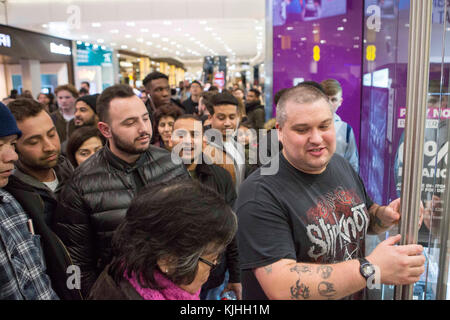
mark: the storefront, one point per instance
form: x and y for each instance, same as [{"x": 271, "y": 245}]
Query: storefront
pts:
[
  {"x": 133, "y": 68},
  {"x": 95, "y": 64},
  {"x": 33, "y": 61}
]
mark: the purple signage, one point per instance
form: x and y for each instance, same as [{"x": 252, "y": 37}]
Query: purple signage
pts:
[{"x": 319, "y": 40}]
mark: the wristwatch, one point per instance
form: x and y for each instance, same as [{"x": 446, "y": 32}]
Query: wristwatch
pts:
[{"x": 366, "y": 268}]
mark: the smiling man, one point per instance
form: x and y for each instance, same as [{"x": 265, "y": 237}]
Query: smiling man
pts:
[
  {"x": 95, "y": 200},
  {"x": 301, "y": 231}
]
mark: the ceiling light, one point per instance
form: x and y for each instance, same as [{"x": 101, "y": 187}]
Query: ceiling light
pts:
[
  {"x": 79, "y": 42},
  {"x": 114, "y": 31},
  {"x": 167, "y": 22},
  {"x": 96, "y": 24},
  {"x": 134, "y": 49},
  {"x": 158, "y": 46},
  {"x": 156, "y": 35},
  {"x": 85, "y": 36},
  {"x": 140, "y": 40},
  {"x": 131, "y": 24},
  {"x": 340, "y": 28},
  {"x": 128, "y": 36},
  {"x": 165, "y": 39},
  {"x": 112, "y": 44},
  {"x": 208, "y": 29},
  {"x": 149, "y": 43},
  {"x": 45, "y": 26},
  {"x": 203, "y": 22},
  {"x": 87, "y": 44},
  {"x": 100, "y": 41},
  {"x": 144, "y": 30},
  {"x": 124, "y": 47}
]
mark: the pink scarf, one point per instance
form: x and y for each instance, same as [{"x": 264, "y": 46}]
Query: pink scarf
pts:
[{"x": 170, "y": 292}]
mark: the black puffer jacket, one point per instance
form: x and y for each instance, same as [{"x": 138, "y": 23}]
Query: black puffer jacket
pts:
[{"x": 94, "y": 202}]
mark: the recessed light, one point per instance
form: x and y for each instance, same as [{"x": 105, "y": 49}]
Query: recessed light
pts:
[
  {"x": 167, "y": 22},
  {"x": 140, "y": 40},
  {"x": 128, "y": 36},
  {"x": 148, "y": 43},
  {"x": 124, "y": 46},
  {"x": 131, "y": 24},
  {"x": 203, "y": 22},
  {"x": 144, "y": 30},
  {"x": 114, "y": 31},
  {"x": 100, "y": 41},
  {"x": 134, "y": 49},
  {"x": 45, "y": 26},
  {"x": 84, "y": 36},
  {"x": 156, "y": 35},
  {"x": 165, "y": 39},
  {"x": 96, "y": 24},
  {"x": 112, "y": 44}
]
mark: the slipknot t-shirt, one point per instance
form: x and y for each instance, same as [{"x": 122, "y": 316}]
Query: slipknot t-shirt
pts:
[{"x": 293, "y": 215}]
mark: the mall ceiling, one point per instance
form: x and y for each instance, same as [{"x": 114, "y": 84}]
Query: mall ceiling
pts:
[{"x": 183, "y": 29}]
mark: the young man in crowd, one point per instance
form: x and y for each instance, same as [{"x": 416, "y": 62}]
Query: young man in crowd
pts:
[
  {"x": 222, "y": 146},
  {"x": 188, "y": 144},
  {"x": 294, "y": 236},
  {"x": 255, "y": 111},
  {"x": 22, "y": 270},
  {"x": 95, "y": 200},
  {"x": 191, "y": 104},
  {"x": 86, "y": 111},
  {"x": 66, "y": 95},
  {"x": 345, "y": 138},
  {"x": 40, "y": 167}
]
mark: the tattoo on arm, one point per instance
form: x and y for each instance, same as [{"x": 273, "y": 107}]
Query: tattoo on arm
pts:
[
  {"x": 325, "y": 271},
  {"x": 300, "y": 269},
  {"x": 300, "y": 290},
  {"x": 326, "y": 289},
  {"x": 268, "y": 269}
]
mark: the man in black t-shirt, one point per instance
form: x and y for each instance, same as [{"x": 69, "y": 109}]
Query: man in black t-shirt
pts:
[{"x": 302, "y": 229}]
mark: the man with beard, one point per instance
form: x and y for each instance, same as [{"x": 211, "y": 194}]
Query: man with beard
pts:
[
  {"x": 95, "y": 200},
  {"x": 41, "y": 168},
  {"x": 255, "y": 111},
  {"x": 86, "y": 111}
]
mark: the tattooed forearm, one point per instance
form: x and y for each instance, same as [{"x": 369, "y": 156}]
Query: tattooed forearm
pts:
[
  {"x": 300, "y": 269},
  {"x": 326, "y": 289},
  {"x": 268, "y": 269},
  {"x": 300, "y": 290},
  {"x": 325, "y": 271}
]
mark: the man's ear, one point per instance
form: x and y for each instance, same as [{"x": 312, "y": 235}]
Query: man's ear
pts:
[
  {"x": 280, "y": 131},
  {"x": 104, "y": 128},
  {"x": 209, "y": 117}
]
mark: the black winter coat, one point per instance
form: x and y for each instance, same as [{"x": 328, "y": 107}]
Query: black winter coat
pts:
[{"x": 94, "y": 202}]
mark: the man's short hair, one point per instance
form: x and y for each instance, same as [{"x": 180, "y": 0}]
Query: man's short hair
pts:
[
  {"x": 110, "y": 93},
  {"x": 154, "y": 76},
  {"x": 311, "y": 83},
  {"x": 67, "y": 87},
  {"x": 279, "y": 94},
  {"x": 24, "y": 108},
  {"x": 256, "y": 92},
  {"x": 300, "y": 94},
  {"x": 331, "y": 87},
  {"x": 197, "y": 82},
  {"x": 207, "y": 99},
  {"x": 213, "y": 88},
  {"x": 221, "y": 99},
  {"x": 188, "y": 116}
]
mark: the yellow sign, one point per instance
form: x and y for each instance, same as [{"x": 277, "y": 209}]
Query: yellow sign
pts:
[
  {"x": 316, "y": 55},
  {"x": 371, "y": 53}
]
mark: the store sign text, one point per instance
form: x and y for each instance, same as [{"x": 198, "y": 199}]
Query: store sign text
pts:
[
  {"x": 5, "y": 40},
  {"x": 60, "y": 49}
]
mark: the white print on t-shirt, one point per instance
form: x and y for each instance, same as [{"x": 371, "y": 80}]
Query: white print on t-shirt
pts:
[{"x": 337, "y": 227}]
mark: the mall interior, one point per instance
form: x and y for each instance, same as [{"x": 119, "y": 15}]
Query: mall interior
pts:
[{"x": 391, "y": 59}]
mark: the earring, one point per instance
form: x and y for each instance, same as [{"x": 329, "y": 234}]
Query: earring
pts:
[{"x": 167, "y": 270}]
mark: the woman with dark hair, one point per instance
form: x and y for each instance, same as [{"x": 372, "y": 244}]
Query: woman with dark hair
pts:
[
  {"x": 83, "y": 143},
  {"x": 169, "y": 242},
  {"x": 47, "y": 100},
  {"x": 165, "y": 117}
]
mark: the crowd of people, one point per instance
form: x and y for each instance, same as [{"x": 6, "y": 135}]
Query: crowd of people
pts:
[{"x": 155, "y": 196}]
